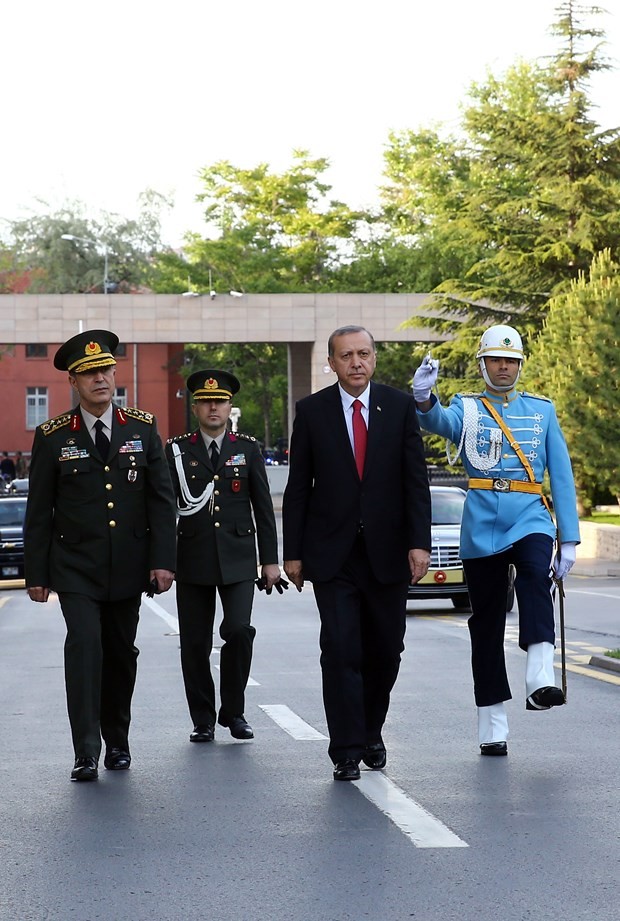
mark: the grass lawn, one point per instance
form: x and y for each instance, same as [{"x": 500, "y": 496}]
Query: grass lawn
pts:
[{"x": 603, "y": 518}]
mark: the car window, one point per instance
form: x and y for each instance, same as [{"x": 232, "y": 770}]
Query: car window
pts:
[
  {"x": 447, "y": 507},
  {"x": 12, "y": 514}
]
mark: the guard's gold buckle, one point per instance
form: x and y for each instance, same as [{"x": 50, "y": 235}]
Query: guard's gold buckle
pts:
[{"x": 501, "y": 485}]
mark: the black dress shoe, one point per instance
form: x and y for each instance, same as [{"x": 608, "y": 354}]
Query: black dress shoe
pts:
[
  {"x": 202, "y": 734},
  {"x": 545, "y": 698},
  {"x": 375, "y": 756},
  {"x": 494, "y": 748},
  {"x": 347, "y": 770},
  {"x": 238, "y": 725},
  {"x": 85, "y": 769},
  {"x": 117, "y": 759}
]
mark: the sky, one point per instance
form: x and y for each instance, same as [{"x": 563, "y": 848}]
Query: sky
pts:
[{"x": 101, "y": 101}]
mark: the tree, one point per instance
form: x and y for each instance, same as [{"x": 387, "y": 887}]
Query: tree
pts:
[
  {"x": 525, "y": 198},
  {"x": 43, "y": 262},
  {"x": 273, "y": 232},
  {"x": 576, "y": 362}
]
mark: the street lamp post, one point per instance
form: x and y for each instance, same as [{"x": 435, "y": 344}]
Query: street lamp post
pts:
[{"x": 106, "y": 281}]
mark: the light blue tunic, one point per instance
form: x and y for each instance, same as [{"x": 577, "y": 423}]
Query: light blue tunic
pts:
[{"x": 493, "y": 521}]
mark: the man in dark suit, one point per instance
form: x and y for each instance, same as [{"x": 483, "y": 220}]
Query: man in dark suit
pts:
[
  {"x": 99, "y": 530},
  {"x": 224, "y": 508},
  {"x": 356, "y": 518}
]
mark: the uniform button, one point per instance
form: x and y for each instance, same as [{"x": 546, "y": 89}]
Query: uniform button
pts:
[
  {"x": 193, "y": 476},
  {"x": 112, "y": 524},
  {"x": 506, "y": 455},
  {"x": 216, "y": 477},
  {"x": 106, "y": 469},
  {"x": 132, "y": 458},
  {"x": 133, "y": 465},
  {"x": 216, "y": 492},
  {"x": 216, "y": 509},
  {"x": 108, "y": 486},
  {"x": 236, "y": 470},
  {"x": 110, "y": 505},
  {"x": 217, "y": 524},
  {"x": 74, "y": 470}
]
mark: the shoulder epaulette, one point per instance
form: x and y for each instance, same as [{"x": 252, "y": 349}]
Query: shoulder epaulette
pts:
[
  {"x": 52, "y": 425},
  {"x": 246, "y": 437},
  {"x": 140, "y": 414},
  {"x": 535, "y": 396},
  {"x": 179, "y": 437}
]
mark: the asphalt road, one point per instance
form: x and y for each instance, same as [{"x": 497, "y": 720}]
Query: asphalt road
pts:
[{"x": 259, "y": 831}]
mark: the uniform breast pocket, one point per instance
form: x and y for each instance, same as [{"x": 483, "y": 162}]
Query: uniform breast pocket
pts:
[
  {"x": 134, "y": 467},
  {"x": 237, "y": 478},
  {"x": 75, "y": 467}
]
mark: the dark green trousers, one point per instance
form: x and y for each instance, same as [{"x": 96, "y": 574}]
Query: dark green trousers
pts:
[
  {"x": 100, "y": 670},
  {"x": 196, "y": 609}
]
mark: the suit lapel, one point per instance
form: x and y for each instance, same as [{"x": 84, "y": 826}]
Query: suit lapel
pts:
[
  {"x": 375, "y": 428},
  {"x": 336, "y": 424}
]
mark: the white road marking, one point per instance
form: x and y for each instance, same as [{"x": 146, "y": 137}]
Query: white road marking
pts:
[
  {"x": 291, "y": 723},
  {"x": 422, "y": 828},
  {"x": 576, "y": 591},
  {"x": 156, "y": 608}
]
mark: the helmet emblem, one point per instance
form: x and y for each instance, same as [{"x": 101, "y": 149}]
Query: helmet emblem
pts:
[{"x": 506, "y": 341}]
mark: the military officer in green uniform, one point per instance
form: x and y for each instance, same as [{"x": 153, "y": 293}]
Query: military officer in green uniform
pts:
[
  {"x": 99, "y": 530},
  {"x": 225, "y": 508}
]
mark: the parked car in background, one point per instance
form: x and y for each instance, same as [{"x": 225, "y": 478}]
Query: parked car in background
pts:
[
  {"x": 12, "y": 513},
  {"x": 19, "y": 487},
  {"x": 445, "y": 578}
]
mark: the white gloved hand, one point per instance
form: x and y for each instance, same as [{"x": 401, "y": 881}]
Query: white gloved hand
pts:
[
  {"x": 563, "y": 562},
  {"x": 425, "y": 379}
]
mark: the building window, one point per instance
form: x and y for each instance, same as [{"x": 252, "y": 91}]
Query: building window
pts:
[
  {"x": 36, "y": 406},
  {"x": 121, "y": 350},
  {"x": 120, "y": 396},
  {"x": 36, "y": 350}
]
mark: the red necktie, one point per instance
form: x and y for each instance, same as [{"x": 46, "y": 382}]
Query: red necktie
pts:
[{"x": 360, "y": 437}]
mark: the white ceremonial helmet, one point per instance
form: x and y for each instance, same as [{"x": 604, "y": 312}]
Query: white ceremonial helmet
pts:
[{"x": 497, "y": 342}]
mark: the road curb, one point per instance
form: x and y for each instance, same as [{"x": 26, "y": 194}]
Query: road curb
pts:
[{"x": 612, "y": 665}]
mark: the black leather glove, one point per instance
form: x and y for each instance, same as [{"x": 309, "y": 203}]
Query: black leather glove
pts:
[{"x": 280, "y": 585}]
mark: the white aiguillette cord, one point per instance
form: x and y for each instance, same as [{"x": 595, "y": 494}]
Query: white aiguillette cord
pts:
[{"x": 191, "y": 504}]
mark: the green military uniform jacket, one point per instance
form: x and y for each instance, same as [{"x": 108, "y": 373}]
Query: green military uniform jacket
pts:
[
  {"x": 93, "y": 527},
  {"x": 217, "y": 544}
]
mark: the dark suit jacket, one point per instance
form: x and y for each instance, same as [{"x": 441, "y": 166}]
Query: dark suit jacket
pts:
[
  {"x": 324, "y": 500},
  {"x": 218, "y": 543},
  {"x": 98, "y": 528}
]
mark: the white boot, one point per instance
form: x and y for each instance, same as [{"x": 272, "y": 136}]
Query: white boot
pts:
[
  {"x": 540, "y": 690},
  {"x": 539, "y": 667},
  {"x": 492, "y": 724}
]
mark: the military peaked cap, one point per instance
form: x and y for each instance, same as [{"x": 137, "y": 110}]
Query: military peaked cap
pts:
[
  {"x": 212, "y": 385},
  {"x": 88, "y": 350}
]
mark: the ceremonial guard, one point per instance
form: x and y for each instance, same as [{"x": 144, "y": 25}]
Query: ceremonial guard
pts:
[
  {"x": 99, "y": 531},
  {"x": 507, "y": 440},
  {"x": 224, "y": 508}
]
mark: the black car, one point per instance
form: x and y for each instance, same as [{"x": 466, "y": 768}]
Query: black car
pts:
[
  {"x": 12, "y": 512},
  {"x": 445, "y": 577}
]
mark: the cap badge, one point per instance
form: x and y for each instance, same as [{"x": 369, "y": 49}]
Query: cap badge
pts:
[
  {"x": 211, "y": 384},
  {"x": 92, "y": 348}
]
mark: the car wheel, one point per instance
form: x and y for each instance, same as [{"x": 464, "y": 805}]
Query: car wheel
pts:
[
  {"x": 460, "y": 601},
  {"x": 510, "y": 598}
]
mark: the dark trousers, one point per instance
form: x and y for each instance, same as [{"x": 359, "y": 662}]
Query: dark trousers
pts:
[
  {"x": 487, "y": 581},
  {"x": 362, "y": 633},
  {"x": 196, "y": 609},
  {"x": 101, "y": 662}
]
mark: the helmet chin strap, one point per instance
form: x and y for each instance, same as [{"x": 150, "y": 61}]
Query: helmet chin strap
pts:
[{"x": 496, "y": 387}]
